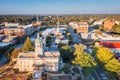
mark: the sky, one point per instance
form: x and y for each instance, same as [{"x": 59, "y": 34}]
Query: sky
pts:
[{"x": 59, "y": 7}]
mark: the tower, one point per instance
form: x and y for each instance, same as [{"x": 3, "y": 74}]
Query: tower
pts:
[
  {"x": 38, "y": 46},
  {"x": 37, "y": 18},
  {"x": 58, "y": 25},
  {"x": 37, "y": 22}
]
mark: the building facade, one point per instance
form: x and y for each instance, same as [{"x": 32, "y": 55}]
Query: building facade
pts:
[
  {"x": 8, "y": 31},
  {"x": 108, "y": 24},
  {"x": 38, "y": 61},
  {"x": 82, "y": 27},
  {"x": 19, "y": 31},
  {"x": 11, "y": 24}
]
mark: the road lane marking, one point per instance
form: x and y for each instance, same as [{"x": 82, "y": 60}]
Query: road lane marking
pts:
[{"x": 97, "y": 75}]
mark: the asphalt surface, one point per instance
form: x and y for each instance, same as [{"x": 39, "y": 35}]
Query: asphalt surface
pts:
[
  {"x": 74, "y": 36},
  {"x": 98, "y": 73}
]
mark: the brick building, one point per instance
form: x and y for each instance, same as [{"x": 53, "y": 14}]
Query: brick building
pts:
[
  {"x": 19, "y": 31},
  {"x": 8, "y": 31},
  {"x": 82, "y": 27},
  {"x": 108, "y": 24}
]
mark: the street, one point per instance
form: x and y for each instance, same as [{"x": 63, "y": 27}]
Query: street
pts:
[
  {"x": 4, "y": 60},
  {"x": 98, "y": 73},
  {"x": 74, "y": 36}
]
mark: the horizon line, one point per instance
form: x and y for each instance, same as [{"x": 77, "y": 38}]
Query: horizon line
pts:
[{"x": 62, "y": 14}]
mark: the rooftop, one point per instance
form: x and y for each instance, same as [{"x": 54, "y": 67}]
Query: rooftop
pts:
[
  {"x": 2, "y": 44},
  {"x": 52, "y": 54},
  {"x": 26, "y": 55},
  {"x": 111, "y": 44},
  {"x": 108, "y": 37}
]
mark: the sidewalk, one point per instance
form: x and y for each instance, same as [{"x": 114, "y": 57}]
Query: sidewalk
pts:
[{"x": 76, "y": 75}]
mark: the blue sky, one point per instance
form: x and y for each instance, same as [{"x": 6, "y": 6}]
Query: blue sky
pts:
[{"x": 59, "y": 6}]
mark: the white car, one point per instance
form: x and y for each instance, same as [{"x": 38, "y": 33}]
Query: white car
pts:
[{"x": 104, "y": 77}]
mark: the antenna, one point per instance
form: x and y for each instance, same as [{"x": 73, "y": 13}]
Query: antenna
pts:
[{"x": 37, "y": 17}]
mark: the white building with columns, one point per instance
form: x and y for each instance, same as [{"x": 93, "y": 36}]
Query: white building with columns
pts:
[{"x": 39, "y": 60}]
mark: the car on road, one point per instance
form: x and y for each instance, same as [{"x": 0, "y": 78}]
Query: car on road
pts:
[{"x": 104, "y": 77}]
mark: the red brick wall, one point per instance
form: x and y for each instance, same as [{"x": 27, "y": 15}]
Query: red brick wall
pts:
[{"x": 108, "y": 24}]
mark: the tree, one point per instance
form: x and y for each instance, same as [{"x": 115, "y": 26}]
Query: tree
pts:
[
  {"x": 28, "y": 46},
  {"x": 75, "y": 30},
  {"x": 40, "y": 33},
  {"x": 66, "y": 68},
  {"x": 68, "y": 34},
  {"x": 113, "y": 65},
  {"x": 104, "y": 54},
  {"x": 101, "y": 27},
  {"x": 79, "y": 49},
  {"x": 65, "y": 51},
  {"x": 8, "y": 52},
  {"x": 83, "y": 59},
  {"x": 14, "y": 53},
  {"x": 94, "y": 50},
  {"x": 49, "y": 40},
  {"x": 116, "y": 29}
]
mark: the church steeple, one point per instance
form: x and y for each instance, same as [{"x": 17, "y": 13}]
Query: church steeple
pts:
[
  {"x": 58, "y": 22},
  {"x": 38, "y": 46},
  {"x": 37, "y": 22},
  {"x": 37, "y": 18}
]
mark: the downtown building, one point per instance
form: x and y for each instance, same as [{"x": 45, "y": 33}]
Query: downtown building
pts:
[
  {"x": 19, "y": 31},
  {"x": 82, "y": 27},
  {"x": 108, "y": 24},
  {"x": 39, "y": 60}
]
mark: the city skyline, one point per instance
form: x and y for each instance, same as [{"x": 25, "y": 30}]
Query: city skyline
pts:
[{"x": 59, "y": 7}]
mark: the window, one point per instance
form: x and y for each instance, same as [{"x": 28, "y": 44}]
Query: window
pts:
[
  {"x": 20, "y": 66},
  {"x": 51, "y": 66},
  {"x": 47, "y": 66},
  {"x": 20, "y": 62}
]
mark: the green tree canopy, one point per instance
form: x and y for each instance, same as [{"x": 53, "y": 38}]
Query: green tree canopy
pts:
[
  {"x": 75, "y": 30},
  {"x": 49, "y": 40},
  {"x": 79, "y": 49},
  {"x": 66, "y": 68},
  {"x": 65, "y": 51},
  {"x": 28, "y": 46},
  {"x": 8, "y": 52},
  {"x": 83, "y": 59},
  {"x": 113, "y": 65},
  {"x": 14, "y": 53},
  {"x": 116, "y": 29},
  {"x": 68, "y": 34},
  {"x": 104, "y": 54}
]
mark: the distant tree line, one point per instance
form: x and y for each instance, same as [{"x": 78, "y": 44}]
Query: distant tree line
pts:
[{"x": 52, "y": 20}]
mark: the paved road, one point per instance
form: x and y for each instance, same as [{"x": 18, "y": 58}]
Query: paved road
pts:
[
  {"x": 101, "y": 73},
  {"x": 3, "y": 60},
  {"x": 32, "y": 38},
  {"x": 74, "y": 36},
  {"x": 98, "y": 73}
]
